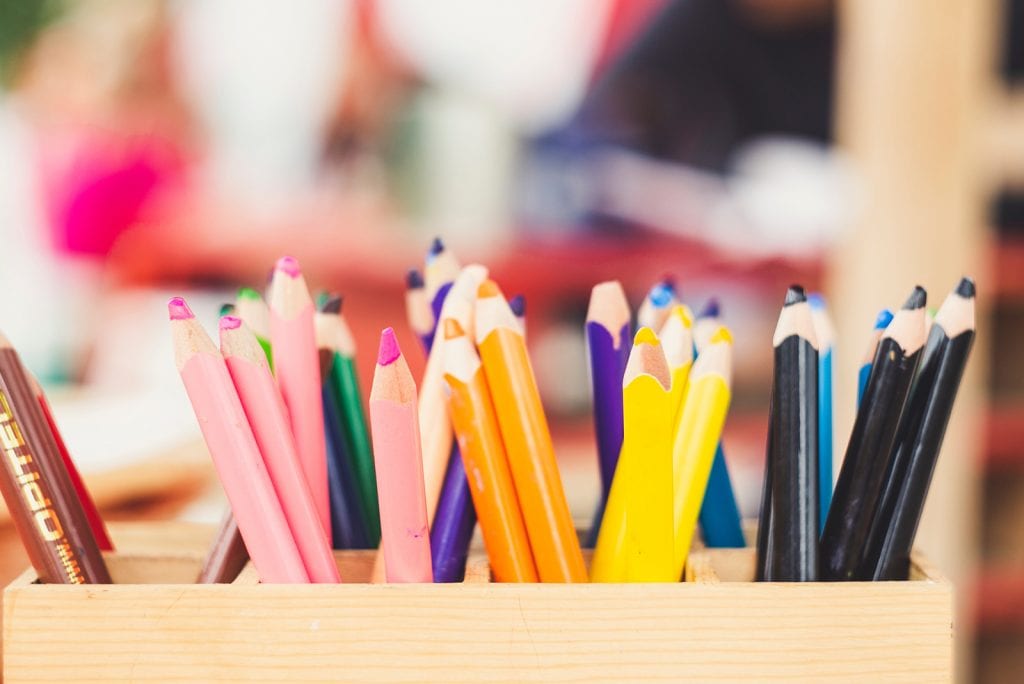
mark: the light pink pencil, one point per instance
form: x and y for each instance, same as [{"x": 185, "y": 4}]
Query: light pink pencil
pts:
[
  {"x": 297, "y": 366},
  {"x": 265, "y": 410},
  {"x": 405, "y": 534},
  {"x": 233, "y": 449}
]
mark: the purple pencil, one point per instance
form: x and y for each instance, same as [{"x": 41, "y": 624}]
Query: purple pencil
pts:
[
  {"x": 608, "y": 345},
  {"x": 441, "y": 270}
]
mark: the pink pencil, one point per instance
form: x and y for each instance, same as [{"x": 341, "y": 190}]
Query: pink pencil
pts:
[
  {"x": 233, "y": 449},
  {"x": 396, "y": 453},
  {"x": 297, "y": 366},
  {"x": 265, "y": 410}
]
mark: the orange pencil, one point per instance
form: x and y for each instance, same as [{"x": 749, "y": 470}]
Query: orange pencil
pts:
[
  {"x": 405, "y": 534},
  {"x": 524, "y": 431},
  {"x": 490, "y": 480}
]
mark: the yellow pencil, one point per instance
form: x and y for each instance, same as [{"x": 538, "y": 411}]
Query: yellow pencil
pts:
[
  {"x": 647, "y": 447},
  {"x": 697, "y": 434},
  {"x": 635, "y": 540},
  {"x": 676, "y": 337}
]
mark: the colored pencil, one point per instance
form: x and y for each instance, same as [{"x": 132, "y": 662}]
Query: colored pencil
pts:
[
  {"x": 825, "y": 334},
  {"x": 439, "y": 274},
  {"x": 348, "y": 529},
  {"x": 99, "y": 529},
  {"x": 483, "y": 454},
  {"x": 454, "y": 520},
  {"x": 676, "y": 337},
  {"x": 705, "y": 324},
  {"x": 919, "y": 437},
  {"x": 527, "y": 440},
  {"x": 233, "y": 448},
  {"x": 881, "y": 323},
  {"x": 720, "y": 521},
  {"x": 35, "y": 484},
  {"x": 264, "y": 407},
  {"x": 227, "y": 555},
  {"x": 698, "y": 431},
  {"x": 518, "y": 306},
  {"x": 656, "y": 305},
  {"x": 344, "y": 384},
  {"x": 608, "y": 345},
  {"x": 615, "y": 547},
  {"x": 405, "y": 531},
  {"x": 868, "y": 453},
  {"x": 226, "y": 309},
  {"x": 646, "y": 461},
  {"x": 250, "y": 307},
  {"x": 790, "y": 509},
  {"x": 417, "y": 309},
  {"x": 297, "y": 367}
]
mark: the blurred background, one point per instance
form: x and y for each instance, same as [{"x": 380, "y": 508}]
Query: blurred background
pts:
[{"x": 159, "y": 147}]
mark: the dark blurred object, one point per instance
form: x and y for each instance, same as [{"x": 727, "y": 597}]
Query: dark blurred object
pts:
[{"x": 707, "y": 76}]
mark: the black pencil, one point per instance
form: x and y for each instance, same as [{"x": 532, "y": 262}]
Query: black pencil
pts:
[
  {"x": 791, "y": 554},
  {"x": 869, "y": 451},
  {"x": 919, "y": 437}
]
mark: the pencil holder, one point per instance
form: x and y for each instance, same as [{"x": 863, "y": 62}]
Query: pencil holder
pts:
[{"x": 153, "y": 625}]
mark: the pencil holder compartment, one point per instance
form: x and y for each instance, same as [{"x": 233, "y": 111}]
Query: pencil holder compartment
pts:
[{"x": 154, "y": 625}]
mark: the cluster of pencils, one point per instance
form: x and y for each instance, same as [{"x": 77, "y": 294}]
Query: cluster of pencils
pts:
[
  {"x": 907, "y": 387},
  {"x": 53, "y": 513},
  {"x": 660, "y": 403}
]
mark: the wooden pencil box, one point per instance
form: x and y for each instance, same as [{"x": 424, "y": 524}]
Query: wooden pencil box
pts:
[{"x": 718, "y": 625}]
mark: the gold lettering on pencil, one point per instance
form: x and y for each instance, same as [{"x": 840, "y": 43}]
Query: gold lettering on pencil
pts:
[{"x": 22, "y": 466}]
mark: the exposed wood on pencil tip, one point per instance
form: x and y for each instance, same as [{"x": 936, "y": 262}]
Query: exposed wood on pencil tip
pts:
[
  {"x": 794, "y": 295},
  {"x": 917, "y": 299},
  {"x": 965, "y": 288},
  {"x": 609, "y": 307}
]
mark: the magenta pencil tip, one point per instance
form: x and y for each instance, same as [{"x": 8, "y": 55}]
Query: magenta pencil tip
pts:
[
  {"x": 389, "y": 350},
  {"x": 230, "y": 322},
  {"x": 289, "y": 266},
  {"x": 178, "y": 309}
]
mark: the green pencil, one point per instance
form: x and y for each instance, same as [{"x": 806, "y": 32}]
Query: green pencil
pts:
[
  {"x": 251, "y": 308},
  {"x": 344, "y": 386}
]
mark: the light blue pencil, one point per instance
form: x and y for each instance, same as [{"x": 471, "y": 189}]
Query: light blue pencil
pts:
[
  {"x": 825, "y": 334},
  {"x": 881, "y": 323}
]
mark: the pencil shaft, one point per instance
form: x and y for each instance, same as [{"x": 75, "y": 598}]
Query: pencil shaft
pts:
[
  {"x": 793, "y": 533},
  {"x": 918, "y": 443},
  {"x": 607, "y": 363},
  {"x": 454, "y": 522},
  {"x": 227, "y": 555},
  {"x": 866, "y": 462},
  {"x": 348, "y": 524},
  {"x": 345, "y": 385},
  {"x": 825, "y": 457},
  {"x": 720, "y": 521},
  {"x": 35, "y": 485}
]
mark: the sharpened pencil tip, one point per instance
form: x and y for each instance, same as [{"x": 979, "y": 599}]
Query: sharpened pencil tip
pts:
[
  {"x": 518, "y": 305},
  {"x": 389, "y": 349},
  {"x": 883, "y": 320},
  {"x": 436, "y": 247},
  {"x": 816, "y": 300},
  {"x": 661, "y": 294},
  {"x": 332, "y": 304},
  {"x": 712, "y": 309},
  {"x": 917, "y": 299},
  {"x": 452, "y": 329},
  {"x": 794, "y": 295},
  {"x": 249, "y": 294},
  {"x": 722, "y": 334},
  {"x": 289, "y": 266},
  {"x": 965, "y": 288},
  {"x": 646, "y": 336},
  {"x": 226, "y": 309},
  {"x": 230, "y": 322},
  {"x": 488, "y": 288},
  {"x": 413, "y": 279},
  {"x": 683, "y": 313},
  {"x": 178, "y": 309}
]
